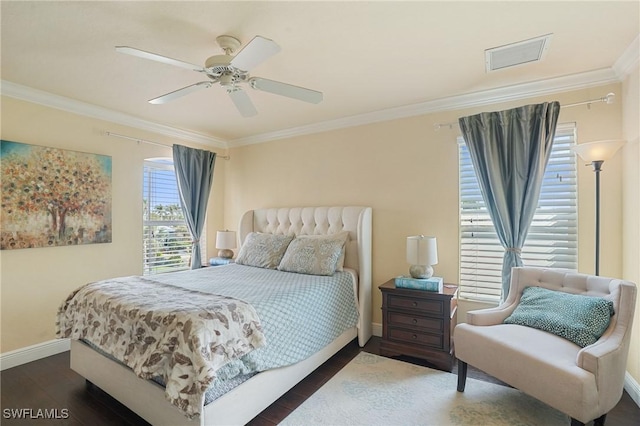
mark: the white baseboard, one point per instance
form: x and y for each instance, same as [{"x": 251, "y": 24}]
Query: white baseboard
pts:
[
  {"x": 376, "y": 329},
  {"x": 632, "y": 387},
  {"x": 33, "y": 353}
]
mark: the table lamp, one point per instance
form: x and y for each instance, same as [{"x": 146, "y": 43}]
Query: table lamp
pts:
[
  {"x": 422, "y": 253},
  {"x": 225, "y": 241}
]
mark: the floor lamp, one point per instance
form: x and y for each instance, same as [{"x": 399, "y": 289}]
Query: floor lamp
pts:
[{"x": 597, "y": 153}]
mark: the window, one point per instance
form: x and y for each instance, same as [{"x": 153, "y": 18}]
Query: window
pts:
[
  {"x": 552, "y": 238},
  {"x": 166, "y": 238}
]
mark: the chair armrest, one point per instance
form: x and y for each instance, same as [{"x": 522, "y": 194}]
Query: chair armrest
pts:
[
  {"x": 490, "y": 316},
  {"x": 611, "y": 350},
  {"x": 606, "y": 360},
  {"x": 596, "y": 356},
  {"x": 497, "y": 315}
]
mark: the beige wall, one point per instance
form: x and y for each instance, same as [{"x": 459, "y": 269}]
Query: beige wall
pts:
[
  {"x": 408, "y": 173},
  {"x": 35, "y": 281},
  {"x": 631, "y": 204},
  {"x": 403, "y": 168}
]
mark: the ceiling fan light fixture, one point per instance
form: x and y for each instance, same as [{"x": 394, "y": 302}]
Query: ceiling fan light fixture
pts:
[
  {"x": 230, "y": 79},
  {"x": 519, "y": 53}
]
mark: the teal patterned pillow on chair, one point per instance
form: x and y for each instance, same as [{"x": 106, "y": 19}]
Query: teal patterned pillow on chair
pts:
[{"x": 578, "y": 318}]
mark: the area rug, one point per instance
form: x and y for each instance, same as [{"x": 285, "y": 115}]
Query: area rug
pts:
[{"x": 373, "y": 390}]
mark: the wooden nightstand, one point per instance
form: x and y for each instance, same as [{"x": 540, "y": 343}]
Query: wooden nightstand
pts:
[{"x": 419, "y": 323}]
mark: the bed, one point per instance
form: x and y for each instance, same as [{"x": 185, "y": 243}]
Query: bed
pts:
[{"x": 246, "y": 400}]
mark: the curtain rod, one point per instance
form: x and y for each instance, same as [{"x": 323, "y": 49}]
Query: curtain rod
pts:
[
  {"x": 116, "y": 135},
  {"x": 608, "y": 99}
]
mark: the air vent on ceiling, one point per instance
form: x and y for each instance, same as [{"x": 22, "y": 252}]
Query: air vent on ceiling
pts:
[{"x": 519, "y": 53}]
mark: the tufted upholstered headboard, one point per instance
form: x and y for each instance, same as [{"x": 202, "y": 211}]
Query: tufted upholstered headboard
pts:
[{"x": 324, "y": 221}]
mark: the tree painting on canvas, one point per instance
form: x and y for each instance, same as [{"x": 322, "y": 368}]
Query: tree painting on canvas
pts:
[{"x": 53, "y": 197}]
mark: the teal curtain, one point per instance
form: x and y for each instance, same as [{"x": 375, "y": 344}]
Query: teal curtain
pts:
[
  {"x": 194, "y": 173},
  {"x": 509, "y": 151}
]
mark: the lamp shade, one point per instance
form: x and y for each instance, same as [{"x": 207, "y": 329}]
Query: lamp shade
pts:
[
  {"x": 422, "y": 250},
  {"x": 225, "y": 239},
  {"x": 597, "y": 151}
]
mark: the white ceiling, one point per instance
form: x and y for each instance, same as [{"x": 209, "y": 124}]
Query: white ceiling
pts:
[{"x": 368, "y": 58}]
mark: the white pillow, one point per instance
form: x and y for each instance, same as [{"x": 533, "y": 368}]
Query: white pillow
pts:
[
  {"x": 263, "y": 250},
  {"x": 314, "y": 254}
]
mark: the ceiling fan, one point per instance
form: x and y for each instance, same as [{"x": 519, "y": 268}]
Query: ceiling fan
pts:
[{"x": 231, "y": 72}]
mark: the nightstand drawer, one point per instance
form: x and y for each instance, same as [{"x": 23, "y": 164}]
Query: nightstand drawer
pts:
[
  {"x": 431, "y": 340},
  {"x": 412, "y": 303},
  {"x": 425, "y": 323}
]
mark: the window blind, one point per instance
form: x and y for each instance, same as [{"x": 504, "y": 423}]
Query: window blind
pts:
[
  {"x": 552, "y": 238},
  {"x": 166, "y": 238}
]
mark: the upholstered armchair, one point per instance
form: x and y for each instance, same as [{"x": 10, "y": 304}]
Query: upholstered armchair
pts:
[{"x": 583, "y": 382}]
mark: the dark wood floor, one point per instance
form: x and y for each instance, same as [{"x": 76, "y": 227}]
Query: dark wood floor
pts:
[{"x": 50, "y": 384}]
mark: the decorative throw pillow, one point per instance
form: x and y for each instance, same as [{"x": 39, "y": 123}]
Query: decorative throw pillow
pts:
[
  {"x": 263, "y": 250},
  {"x": 314, "y": 254},
  {"x": 578, "y": 318}
]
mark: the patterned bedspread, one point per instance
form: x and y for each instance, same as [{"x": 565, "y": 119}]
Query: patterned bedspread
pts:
[
  {"x": 300, "y": 313},
  {"x": 181, "y": 335}
]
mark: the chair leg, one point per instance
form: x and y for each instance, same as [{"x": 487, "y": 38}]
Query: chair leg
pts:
[
  {"x": 597, "y": 422},
  {"x": 462, "y": 375},
  {"x": 600, "y": 420}
]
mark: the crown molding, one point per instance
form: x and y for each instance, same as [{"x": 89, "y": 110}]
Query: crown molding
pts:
[
  {"x": 17, "y": 91},
  {"x": 629, "y": 59},
  {"x": 470, "y": 100},
  {"x": 481, "y": 98}
]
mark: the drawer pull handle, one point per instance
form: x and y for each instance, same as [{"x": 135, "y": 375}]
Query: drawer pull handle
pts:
[
  {"x": 415, "y": 321},
  {"x": 414, "y": 336},
  {"x": 415, "y": 304}
]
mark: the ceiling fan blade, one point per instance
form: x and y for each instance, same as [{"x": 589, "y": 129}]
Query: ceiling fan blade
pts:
[
  {"x": 284, "y": 89},
  {"x": 259, "y": 49},
  {"x": 242, "y": 102},
  {"x": 159, "y": 58},
  {"x": 181, "y": 92}
]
